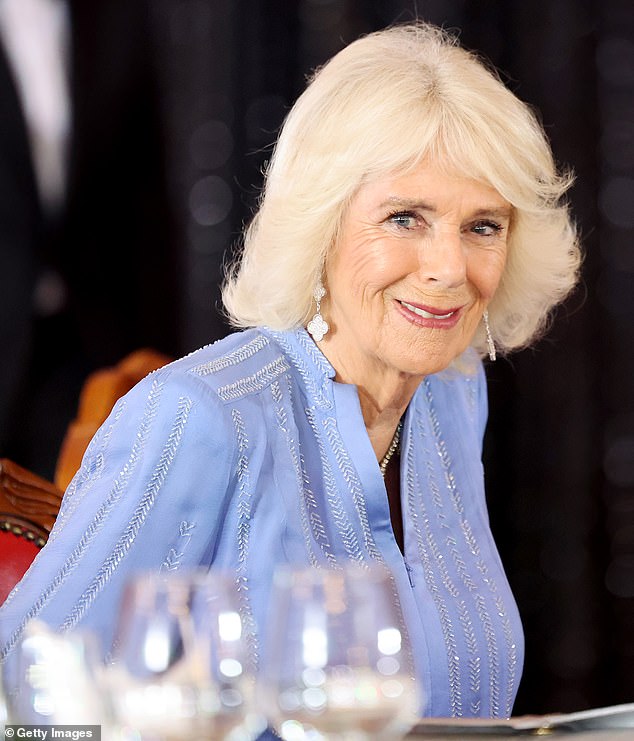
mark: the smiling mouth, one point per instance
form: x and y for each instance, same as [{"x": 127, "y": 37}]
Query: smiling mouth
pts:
[{"x": 427, "y": 314}]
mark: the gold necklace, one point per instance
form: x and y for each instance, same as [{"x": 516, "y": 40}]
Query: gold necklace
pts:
[{"x": 392, "y": 449}]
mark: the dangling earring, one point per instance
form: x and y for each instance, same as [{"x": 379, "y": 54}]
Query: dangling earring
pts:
[
  {"x": 318, "y": 326},
  {"x": 490, "y": 343}
]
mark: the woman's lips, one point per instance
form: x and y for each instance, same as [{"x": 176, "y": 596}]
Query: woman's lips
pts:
[{"x": 430, "y": 316}]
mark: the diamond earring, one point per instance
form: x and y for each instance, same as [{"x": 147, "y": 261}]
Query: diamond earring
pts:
[
  {"x": 318, "y": 326},
  {"x": 490, "y": 343}
]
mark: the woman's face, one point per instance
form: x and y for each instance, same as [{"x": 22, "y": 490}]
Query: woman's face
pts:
[{"x": 418, "y": 259}]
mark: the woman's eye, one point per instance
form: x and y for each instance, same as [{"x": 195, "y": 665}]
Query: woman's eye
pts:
[
  {"x": 487, "y": 228},
  {"x": 404, "y": 219}
]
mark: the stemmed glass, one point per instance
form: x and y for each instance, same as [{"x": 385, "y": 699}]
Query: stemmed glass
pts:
[
  {"x": 179, "y": 665},
  {"x": 56, "y": 679},
  {"x": 338, "y": 664}
]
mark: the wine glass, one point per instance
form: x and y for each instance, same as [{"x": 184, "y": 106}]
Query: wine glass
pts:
[
  {"x": 179, "y": 663},
  {"x": 57, "y": 678},
  {"x": 338, "y": 664}
]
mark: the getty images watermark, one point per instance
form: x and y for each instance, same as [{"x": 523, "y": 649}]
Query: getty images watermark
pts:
[{"x": 48, "y": 733}]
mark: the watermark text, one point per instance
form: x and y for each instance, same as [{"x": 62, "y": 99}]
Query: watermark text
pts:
[{"x": 49, "y": 733}]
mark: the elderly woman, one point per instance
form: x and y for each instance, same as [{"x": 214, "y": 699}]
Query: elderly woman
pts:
[{"x": 411, "y": 223}]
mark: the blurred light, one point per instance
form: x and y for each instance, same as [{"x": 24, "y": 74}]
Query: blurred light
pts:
[
  {"x": 616, "y": 201},
  {"x": 342, "y": 692},
  {"x": 387, "y": 665},
  {"x": 50, "y": 293},
  {"x": 618, "y": 461},
  {"x": 315, "y": 647},
  {"x": 615, "y": 61},
  {"x": 289, "y": 700},
  {"x": 210, "y": 200},
  {"x": 230, "y": 667},
  {"x": 622, "y": 537},
  {"x": 388, "y": 641},
  {"x": 620, "y": 507},
  {"x": 156, "y": 650},
  {"x": 314, "y": 698},
  {"x": 619, "y": 577},
  {"x": 292, "y": 730},
  {"x": 229, "y": 626},
  {"x": 366, "y": 692},
  {"x": 211, "y": 145},
  {"x": 313, "y": 677},
  {"x": 231, "y": 697},
  {"x": 43, "y": 703}
]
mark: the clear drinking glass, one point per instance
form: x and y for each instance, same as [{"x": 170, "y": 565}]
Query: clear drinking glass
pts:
[
  {"x": 179, "y": 665},
  {"x": 338, "y": 664},
  {"x": 57, "y": 679}
]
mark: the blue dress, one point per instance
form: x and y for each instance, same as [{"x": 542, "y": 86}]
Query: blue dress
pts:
[{"x": 247, "y": 454}]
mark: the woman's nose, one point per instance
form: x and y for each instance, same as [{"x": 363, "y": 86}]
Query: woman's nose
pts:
[{"x": 443, "y": 260}]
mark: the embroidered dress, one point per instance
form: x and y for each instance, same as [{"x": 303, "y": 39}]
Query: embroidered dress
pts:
[{"x": 247, "y": 454}]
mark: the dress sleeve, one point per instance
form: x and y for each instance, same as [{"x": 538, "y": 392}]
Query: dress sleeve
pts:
[
  {"x": 482, "y": 401},
  {"x": 150, "y": 495}
]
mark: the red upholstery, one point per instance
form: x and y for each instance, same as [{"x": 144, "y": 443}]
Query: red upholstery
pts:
[{"x": 20, "y": 541}]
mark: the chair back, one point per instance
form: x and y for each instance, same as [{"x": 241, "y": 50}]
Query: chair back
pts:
[
  {"x": 29, "y": 503},
  {"x": 28, "y": 507}
]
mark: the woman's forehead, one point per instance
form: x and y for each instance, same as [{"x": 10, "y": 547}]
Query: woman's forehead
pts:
[{"x": 427, "y": 180}]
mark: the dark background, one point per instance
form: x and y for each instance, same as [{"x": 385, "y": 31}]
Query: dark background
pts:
[{"x": 176, "y": 105}]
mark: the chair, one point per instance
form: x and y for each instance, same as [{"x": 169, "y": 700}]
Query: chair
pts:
[{"x": 29, "y": 503}]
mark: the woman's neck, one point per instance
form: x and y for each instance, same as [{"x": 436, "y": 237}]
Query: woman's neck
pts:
[
  {"x": 383, "y": 405},
  {"x": 384, "y": 391}
]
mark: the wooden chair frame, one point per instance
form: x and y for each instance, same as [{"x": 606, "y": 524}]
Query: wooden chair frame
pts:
[{"x": 29, "y": 503}]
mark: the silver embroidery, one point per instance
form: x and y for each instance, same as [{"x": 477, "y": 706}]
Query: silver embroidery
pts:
[
  {"x": 472, "y": 398},
  {"x": 71, "y": 498},
  {"x": 118, "y": 491},
  {"x": 427, "y": 538},
  {"x": 243, "y": 537},
  {"x": 235, "y": 357},
  {"x": 349, "y": 473},
  {"x": 139, "y": 517},
  {"x": 258, "y": 381},
  {"x": 511, "y": 648},
  {"x": 314, "y": 391},
  {"x": 89, "y": 473},
  {"x": 174, "y": 556},
  {"x": 480, "y": 605},
  {"x": 483, "y": 613},
  {"x": 342, "y": 522},
  {"x": 308, "y": 511},
  {"x": 354, "y": 485}
]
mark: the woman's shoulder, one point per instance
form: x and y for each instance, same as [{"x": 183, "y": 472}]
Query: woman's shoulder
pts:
[
  {"x": 466, "y": 371},
  {"x": 459, "y": 389},
  {"x": 234, "y": 366}
]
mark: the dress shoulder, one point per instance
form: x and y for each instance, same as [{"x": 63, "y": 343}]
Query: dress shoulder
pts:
[{"x": 236, "y": 366}]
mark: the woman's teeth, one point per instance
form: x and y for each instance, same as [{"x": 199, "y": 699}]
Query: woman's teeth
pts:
[{"x": 426, "y": 314}]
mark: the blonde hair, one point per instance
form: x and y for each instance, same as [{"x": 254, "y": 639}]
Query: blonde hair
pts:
[{"x": 380, "y": 106}]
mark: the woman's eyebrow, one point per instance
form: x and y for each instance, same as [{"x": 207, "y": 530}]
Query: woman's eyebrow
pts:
[
  {"x": 500, "y": 212},
  {"x": 405, "y": 203}
]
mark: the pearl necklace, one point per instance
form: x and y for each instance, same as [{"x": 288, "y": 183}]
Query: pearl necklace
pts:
[{"x": 392, "y": 449}]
